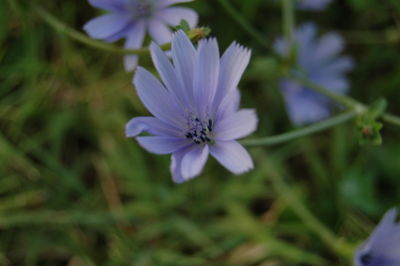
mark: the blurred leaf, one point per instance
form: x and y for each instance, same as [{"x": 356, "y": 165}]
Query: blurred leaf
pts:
[{"x": 358, "y": 190}]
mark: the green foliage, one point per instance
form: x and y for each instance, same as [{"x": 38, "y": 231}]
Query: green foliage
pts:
[
  {"x": 75, "y": 191},
  {"x": 368, "y": 127}
]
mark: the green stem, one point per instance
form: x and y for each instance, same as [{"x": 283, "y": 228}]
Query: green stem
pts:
[
  {"x": 288, "y": 23},
  {"x": 391, "y": 119},
  {"x": 241, "y": 20},
  {"x": 302, "y": 132},
  {"x": 336, "y": 244}
]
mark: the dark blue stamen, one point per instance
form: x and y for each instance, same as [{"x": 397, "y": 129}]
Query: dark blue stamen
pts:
[
  {"x": 209, "y": 126},
  {"x": 199, "y": 131}
]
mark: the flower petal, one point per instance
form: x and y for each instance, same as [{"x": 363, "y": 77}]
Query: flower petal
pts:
[
  {"x": 176, "y": 162},
  {"x": 183, "y": 54},
  {"x": 385, "y": 227},
  {"x": 167, "y": 73},
  {"x": 280, "y": 46},
  {"x": 174, "y": 15},
  {"x": 313, "y": 5},
  {"x": 335, "y": 83},
  {"x": 159, "y": 32},
  {"x": 151, "y": 125},
  {"x": 110, "y": 5},
  {"x": 305, "y": 37},
  {"x": 339, "y": 65},
  {"x": 236, "y": 125},
  {"x": 162, "y": 145},
  {"x": 232, "y": 156},
  {"x": 206, "y": 72},
  {"x": 121, "y": 34},
  {"x": 383, "y": 245},
  {"x": 233, "y": 63},
  {"x": 304, "y": 106},
  {"x": 106, "y": 26},
  {"x": 156, "y": 98},
  {"x": 134, "y": 40},
  {"x": 229, "y": 104},
  {"x": 193, "y": 161},
  {"x": 172, "y": 2},
  {"x": 328, "y": 46}
]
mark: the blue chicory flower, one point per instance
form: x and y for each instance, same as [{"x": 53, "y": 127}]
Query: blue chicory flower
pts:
[
  {"x": 131, "y": 19},
  {"x": 196, "y": 109},
  {"x": 317, "y": 60},
  {"x": 313, "y": 5},
  {"x": 382, "y": 248}
]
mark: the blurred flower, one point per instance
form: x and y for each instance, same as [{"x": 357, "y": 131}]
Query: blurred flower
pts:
[
  {"x": 314, "y": 5},
  {"x": 382, "y": 248},
  {"x": 317, "y": 60},
  {"x": 196, "y": 109},
  {"x": 131, "y": 19}
]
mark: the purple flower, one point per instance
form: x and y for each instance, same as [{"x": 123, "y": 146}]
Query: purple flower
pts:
[
  {"x": 382, "y": 248},
  {"x": 317, "y": 60},
  {"x": 196, "y": 109},
  {"x": 313, "y": 5},
  {"x": 131, "y": 19}
]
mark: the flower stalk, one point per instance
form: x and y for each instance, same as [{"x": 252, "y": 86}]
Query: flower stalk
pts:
[
  {"x": 289, "y": 24},
  {"x": 302, "y": 132}
]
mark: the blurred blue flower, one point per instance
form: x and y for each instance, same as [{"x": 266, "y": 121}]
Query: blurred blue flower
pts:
[
  {"x": 317, "y": 60},
  {"x": 313, "y": 5},
  {"x": 382, "y": 248},
  {"x": 131, "y": 19},
  {"x": 196, "y": 109}
]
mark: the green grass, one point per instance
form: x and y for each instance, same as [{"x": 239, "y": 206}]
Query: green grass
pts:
[{"x": 75, "y": 191}]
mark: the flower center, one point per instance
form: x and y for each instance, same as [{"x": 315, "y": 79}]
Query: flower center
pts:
[
  {"x": 199, "y": 131},
  {"x": 141, "y": 8},
  {"x": 366, "y": 259}
]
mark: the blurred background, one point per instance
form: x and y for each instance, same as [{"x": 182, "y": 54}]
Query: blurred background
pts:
[{"x": 74, "y": 191}]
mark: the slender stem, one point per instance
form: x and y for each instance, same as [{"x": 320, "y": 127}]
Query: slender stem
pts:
[
  {"x": 302, "y": 132},
  {"x": 338, "y": 245},
  {"x": 392, "y": 119},
  {"x": 241, "y": 20},
  {"x": 288, "y": 23}
]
